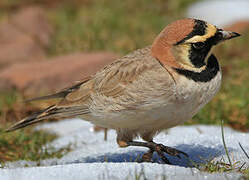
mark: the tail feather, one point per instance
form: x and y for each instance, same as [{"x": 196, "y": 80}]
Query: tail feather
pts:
[
  {"x": 60, "y": 94},
  {"x": 48, "y": 113}
]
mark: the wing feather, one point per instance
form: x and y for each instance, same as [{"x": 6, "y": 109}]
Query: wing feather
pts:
[{"x": 129, "y": 83}]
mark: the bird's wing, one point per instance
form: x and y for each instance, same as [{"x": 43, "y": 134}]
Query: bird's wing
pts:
[
  {"x": 61, "y": 94},
  {"x": 132, "y": 80},
  {"x": 125, "y": 84}
]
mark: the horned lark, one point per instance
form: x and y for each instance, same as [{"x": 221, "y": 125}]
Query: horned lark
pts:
[{"x": 148, "y": 90}]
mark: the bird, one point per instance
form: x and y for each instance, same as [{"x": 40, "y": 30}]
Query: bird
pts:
[{"x": 148, "y": 90}]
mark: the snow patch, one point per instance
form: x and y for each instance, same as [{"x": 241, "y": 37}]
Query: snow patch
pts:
[{"x": 94, "y": 158}]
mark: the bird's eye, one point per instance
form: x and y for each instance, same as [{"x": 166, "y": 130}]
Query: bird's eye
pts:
[{"x": 198, "y": 45}]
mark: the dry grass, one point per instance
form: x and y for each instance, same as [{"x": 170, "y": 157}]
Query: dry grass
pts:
[{"x": 20, "y": 145}]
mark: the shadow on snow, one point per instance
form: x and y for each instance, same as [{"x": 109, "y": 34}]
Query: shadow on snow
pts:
[{"x": 197, "y": 154}]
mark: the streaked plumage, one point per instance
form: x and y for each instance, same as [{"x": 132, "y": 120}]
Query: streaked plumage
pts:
[{"x": 148, "y": 90}]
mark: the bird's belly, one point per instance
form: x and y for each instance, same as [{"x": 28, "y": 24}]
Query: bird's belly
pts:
[
  {"x": 151, "y": 117},
  {"x": 162, "y": 113}
]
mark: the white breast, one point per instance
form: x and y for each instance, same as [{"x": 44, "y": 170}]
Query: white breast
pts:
[{"x": 192, "y": 96}]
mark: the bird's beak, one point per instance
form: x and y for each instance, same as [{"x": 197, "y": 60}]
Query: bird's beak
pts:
[{"x": 228, "y": 35}]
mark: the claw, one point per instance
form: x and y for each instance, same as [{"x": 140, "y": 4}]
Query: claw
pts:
[
  {"x": 160, "y": 153},
  {"x": 159, "y": 148},
  {"x": 173, "y": 152},
  {"x": 147, "y": 157}
]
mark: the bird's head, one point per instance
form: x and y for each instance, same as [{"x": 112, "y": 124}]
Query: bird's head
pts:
[{"x": 187, "y": 43}]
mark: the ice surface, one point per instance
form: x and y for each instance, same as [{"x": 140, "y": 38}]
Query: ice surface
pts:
[
  {"x": 220, "y": 12},
  {"x": 94, "y": 158}
]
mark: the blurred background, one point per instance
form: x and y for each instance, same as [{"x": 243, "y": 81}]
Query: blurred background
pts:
[{"x": 46, "y": 45}]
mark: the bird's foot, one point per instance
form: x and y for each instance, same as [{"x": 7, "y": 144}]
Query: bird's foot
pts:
[
  {"x": 147, "y": 157},
  {"x": 159, "y": 148}
]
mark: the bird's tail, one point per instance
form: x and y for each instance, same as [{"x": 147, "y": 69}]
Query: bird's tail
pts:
[{"x": 48, "y": 113}]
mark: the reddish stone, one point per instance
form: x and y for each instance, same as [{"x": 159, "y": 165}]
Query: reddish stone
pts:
[
  {"x": 53, "y": 74},
  {"x": 23, "y": 36},
  {"x": 16, "y": 46},
  {"x": 33, "y": 21}
]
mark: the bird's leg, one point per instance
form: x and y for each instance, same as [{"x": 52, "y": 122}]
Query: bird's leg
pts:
[
  {"x": 147, "y": 157},
  {"x": 159, "y": 148}
]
